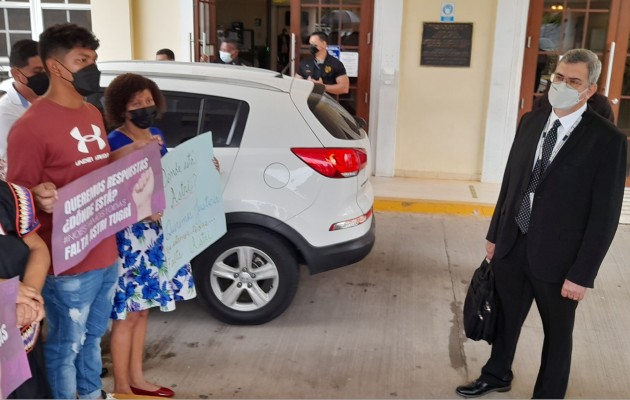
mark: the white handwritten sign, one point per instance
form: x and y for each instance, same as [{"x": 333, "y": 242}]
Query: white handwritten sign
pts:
[{"x": 194, "y": 216}]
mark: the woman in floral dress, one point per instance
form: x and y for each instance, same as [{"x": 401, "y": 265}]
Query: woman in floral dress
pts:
[{"x": 132, "y": 103}]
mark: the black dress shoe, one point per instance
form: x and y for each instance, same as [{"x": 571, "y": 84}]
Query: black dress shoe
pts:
[{"x": 479, "y": 388}]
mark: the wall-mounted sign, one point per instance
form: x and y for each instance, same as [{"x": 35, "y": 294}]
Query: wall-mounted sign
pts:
[
  {"x": 447, "y": 13},
  {"x": 446, "y": 44},
  {"x": 350, "y": 60}
]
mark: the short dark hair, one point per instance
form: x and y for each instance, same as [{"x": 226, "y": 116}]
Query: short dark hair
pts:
[
  {"x": 321, "y": 35},
  {"x": 233, "y": 42},
  {"x": 21, "y": 51},
  {"x": 61, "y": 38},
  {"x": 122, "y": 89},
  {"x": 167, "y": 52}
]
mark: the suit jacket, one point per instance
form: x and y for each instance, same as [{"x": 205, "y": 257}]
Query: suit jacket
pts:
[{"x": 577, "y": 203}]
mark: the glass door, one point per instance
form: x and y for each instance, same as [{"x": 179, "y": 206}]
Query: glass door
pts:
[
  {"x": 348, "y": 24},
  {"x": 204, "y": 42},
  {"x": 555, "y": 26}
]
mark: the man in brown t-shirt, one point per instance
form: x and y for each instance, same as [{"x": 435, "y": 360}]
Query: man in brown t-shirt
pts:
[{"x": 59, "y": 139}]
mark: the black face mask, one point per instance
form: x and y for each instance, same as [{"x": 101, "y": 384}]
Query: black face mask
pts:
[
  {"x": 143, "y": 117},
  {"x": 38, "y": 83},
  {"x": 314, "y": 50},
  {"x": 87, "y": 80}
]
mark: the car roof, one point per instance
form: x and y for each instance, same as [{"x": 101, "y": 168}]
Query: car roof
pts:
[{"x": 220, "y": 73}]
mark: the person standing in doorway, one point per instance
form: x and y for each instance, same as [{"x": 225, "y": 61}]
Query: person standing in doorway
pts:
[
  {"x": 29, "y": 82},
  {"x": 284, "y": 46},
  {"x": 556, "y": 216},
  {"x": 59, "y": 139},
  {"x": 324, "y": 68},
  {"x": 229, "y": 53}
]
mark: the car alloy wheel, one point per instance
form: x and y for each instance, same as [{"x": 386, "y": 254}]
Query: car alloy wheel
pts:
[
  {"x": 244, "y": 278},
  {"x": 247, "y": 277}
]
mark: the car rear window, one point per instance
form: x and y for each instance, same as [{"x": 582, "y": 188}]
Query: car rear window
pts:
[{"x": 337, "y": 121}]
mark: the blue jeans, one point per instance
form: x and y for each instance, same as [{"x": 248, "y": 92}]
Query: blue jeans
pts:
[{"x": 77, "y": 312}]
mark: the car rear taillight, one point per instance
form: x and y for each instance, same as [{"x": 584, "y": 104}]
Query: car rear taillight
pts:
[{"x": 333, "y": 162}]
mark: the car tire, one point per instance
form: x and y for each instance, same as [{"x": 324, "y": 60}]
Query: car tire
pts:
[{"x": 247, "y": 277}]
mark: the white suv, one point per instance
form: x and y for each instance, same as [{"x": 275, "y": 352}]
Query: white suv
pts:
[{"x": 294, "y": 169}]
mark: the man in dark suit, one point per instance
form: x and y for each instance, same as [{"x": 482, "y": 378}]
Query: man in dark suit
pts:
[{"x": 557, "y": 213}]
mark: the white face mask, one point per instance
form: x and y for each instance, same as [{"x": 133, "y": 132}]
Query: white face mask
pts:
[
  {"x": 563, "y": 96},
  {"x": 225, "y": 57}
]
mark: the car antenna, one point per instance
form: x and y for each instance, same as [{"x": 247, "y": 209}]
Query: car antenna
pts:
[{"x": 281, "y": 73}]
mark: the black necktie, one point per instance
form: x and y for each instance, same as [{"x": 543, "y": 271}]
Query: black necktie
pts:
[{"x": 522, "y": 219}]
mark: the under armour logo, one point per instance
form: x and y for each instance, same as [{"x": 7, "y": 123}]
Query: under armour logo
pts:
[{"x": 84, "y": 140}]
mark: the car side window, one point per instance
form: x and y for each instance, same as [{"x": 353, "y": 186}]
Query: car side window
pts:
[
  {"x": 180, "y": 121},
  {"x": 188, "y": 115},
  {"x": 226, "y": 119}
]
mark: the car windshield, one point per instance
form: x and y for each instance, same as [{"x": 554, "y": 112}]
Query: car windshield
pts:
[{"x": 337, "y": 121}]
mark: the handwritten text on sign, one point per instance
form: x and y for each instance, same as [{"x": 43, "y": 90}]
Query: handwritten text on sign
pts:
[{"x": 194, "y": 216}]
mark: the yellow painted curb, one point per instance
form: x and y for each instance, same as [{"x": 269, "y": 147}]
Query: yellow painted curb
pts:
[{"x": 432, "y": 207}]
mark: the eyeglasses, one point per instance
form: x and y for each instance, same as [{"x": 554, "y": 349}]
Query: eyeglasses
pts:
[{"x": 575, "y": 83}]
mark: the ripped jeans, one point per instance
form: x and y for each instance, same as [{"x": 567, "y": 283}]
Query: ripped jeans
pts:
[{"x": 77, "y": 313}]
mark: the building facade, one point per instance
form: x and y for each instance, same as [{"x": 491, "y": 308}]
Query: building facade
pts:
[{"x": 425, "y": 120}]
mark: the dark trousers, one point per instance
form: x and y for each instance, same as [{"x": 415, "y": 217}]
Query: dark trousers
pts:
[{"x": 517, "y": 289}]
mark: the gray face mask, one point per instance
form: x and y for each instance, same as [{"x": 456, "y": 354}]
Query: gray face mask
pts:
[{"x": 563, "y": 96}]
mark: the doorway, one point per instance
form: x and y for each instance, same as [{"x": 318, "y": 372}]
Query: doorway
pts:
[
  {"x": 273, "y": 34},
  {"x": 555, "y": 26},
  {"x": 603, "y": 26},
  {"x": 348, "y": 24}
]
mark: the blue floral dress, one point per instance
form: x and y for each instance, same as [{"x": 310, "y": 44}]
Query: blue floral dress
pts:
[{"x": 142, "y": 276}]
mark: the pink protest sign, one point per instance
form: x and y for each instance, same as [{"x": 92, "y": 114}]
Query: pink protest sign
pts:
[
  {"x": 103, "y": 202},
  {"x": 13, "y": 361}
]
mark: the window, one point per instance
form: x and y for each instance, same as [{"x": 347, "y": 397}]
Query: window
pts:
[
  {"x": 26, "y": 19},
  {"x": 188, "y": 115},
  {"x": 337, "y": 121}
]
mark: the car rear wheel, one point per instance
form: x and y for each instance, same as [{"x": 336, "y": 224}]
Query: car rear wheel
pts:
[{"x": 247, "y": 277}]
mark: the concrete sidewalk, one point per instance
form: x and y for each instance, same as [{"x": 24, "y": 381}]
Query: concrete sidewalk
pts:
[{"x": 388, "y": 327}]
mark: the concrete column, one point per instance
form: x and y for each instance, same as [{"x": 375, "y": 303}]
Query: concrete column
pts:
[
  {"x": 386, "y": 36},
  {"x": 505, "y": 85}
]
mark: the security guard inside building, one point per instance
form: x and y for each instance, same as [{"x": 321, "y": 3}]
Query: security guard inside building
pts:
[{"x": 323, "y": 67}]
